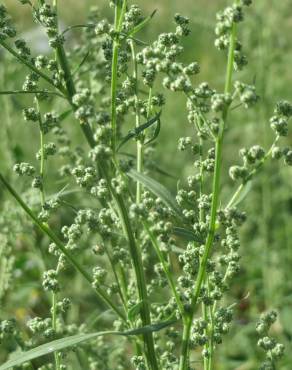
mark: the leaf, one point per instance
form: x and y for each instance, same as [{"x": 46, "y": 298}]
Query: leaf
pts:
[
  {"x": 134, "y": 311},
  {"x": 151, "y": 165},
  {"x": 155, "y": 134},
  {"x": 159, "y": 190},
  {"x": 246, "y": 189},
  {"x": 137, "y": 131},
  {"x": 186, "y": 234},
  {"x": 147, "y": 329},
  {"x": 64, "y": 115},
  {"x": 81, "y": 63},
  {"x": 60, "y": 344},
  {"x": 177, "y": 250},
  {"x": 142, "y": 24}
]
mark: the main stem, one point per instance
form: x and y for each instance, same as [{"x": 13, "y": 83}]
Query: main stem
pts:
[
  {"x": 118, "y": 23},
  {"x": 184, "y": 359},
  {"x": 43, "y": 201},
  {"x": 136, "y": 255},
  {"x": 54, "y": 327},
  {"x": 137, "y": 115},
  {"x": 42, "y": 152}
]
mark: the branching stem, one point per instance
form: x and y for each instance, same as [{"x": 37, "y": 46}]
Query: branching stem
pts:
[{"x": 184, "y": 359}]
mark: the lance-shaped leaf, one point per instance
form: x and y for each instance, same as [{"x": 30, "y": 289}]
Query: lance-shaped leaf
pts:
[
  {"x": 151, "y": 165},
  {"x": 142, "y": 24},
  {"x": 60, "y": 344},
  {"x": 155, "y": 134},
  {"x": 84, "y": 59},
  {"x": 138, "y": 130},
  {"x": 134, "y": 311},
  {"x": 186, "y": 234},
  {"x": 64, "y": 115},
  {"x": 158, "y": 189},
  {"x": 244, "y": 190}
]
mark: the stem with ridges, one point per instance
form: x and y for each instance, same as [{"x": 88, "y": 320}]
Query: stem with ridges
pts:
[
  {"x": 70, "y": 86},
  {"x": 137, "y": 263},
  {"x": 42, "y": 152},
  {"x": 184, "y": 359},
  {"x": 54, "y": 327},
  {"x": 119, "y": 17},
  {"x": 124, "y": 217},
  {"x": 137, "y": 116}
]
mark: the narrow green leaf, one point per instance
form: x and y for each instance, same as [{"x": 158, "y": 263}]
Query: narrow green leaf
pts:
[
  {"x": 142, "y": 24},
  {"x": 64, "y": 115},
  {"x": 159, "y": 190},
  {"x": 22, "y": 92},
  {"x": 155, "y": 134},
  {"x": 60, "y": 344},
  {"x": 48, "y": 348},
  {"x": 138, "y": 130},
  {"x": 185, "y": 234},
  {"x": 246, "y": 189},
  {"x": 134, "y": 311},
  {"x": 177, "y": 250},
  {"x": 81, "y": 63},
  {"x": 148, "y": 329},
  {"x": 152, "y": 165},
  {"x": 78, "y": 26}
]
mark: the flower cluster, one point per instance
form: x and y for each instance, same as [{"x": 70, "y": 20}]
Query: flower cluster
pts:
[
  {"x": 6, "y": 29},
  {"x": 48, "y": 18},
  {"x": 274, "y": 351},
  {"x": 161, "y": 57},
  {"x": 226, "y": 21}
]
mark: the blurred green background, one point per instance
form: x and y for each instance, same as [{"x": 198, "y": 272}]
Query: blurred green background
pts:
[{"x": 266, "y": 237}]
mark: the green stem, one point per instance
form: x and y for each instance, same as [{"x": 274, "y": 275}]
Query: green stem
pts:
[
  {"x": 21, "y": 92},
  {"x": 46, "y": 230},
  {"x": 165, "y": 267},
  {"x": 42, "y": 167},
  {"x": 184, "y": 359},
  {"x": 42, "y": 144},
  {"x": 119, "y": 17},
  {"x": 135, "y": 252},
  {"x": 120, "y": 292},
  {"x": 114, "y": 82},
  {"x": 124, "y": 217},
  {"x": 206, "y": 346},
  {"x": 141, "y": 283},
  {"x": 137, "y": 115},
  {"x": 211, "y": 336},
  {"x": 54, "y": 327},
  {"x": 185, "y": 350},
  {"x": 201, "y": 219},
  {"x": 137, "y": 263},
  {"x": 70, "y": 86}
]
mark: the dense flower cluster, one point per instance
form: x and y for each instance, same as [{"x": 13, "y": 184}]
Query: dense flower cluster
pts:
[{"x": 274, "y": 351}]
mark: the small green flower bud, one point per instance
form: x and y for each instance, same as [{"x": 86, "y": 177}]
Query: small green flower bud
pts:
[{"x": 237, "y": 172}]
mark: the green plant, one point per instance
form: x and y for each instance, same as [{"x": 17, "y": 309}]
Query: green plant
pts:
[{"x": 154, "y": 260}]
